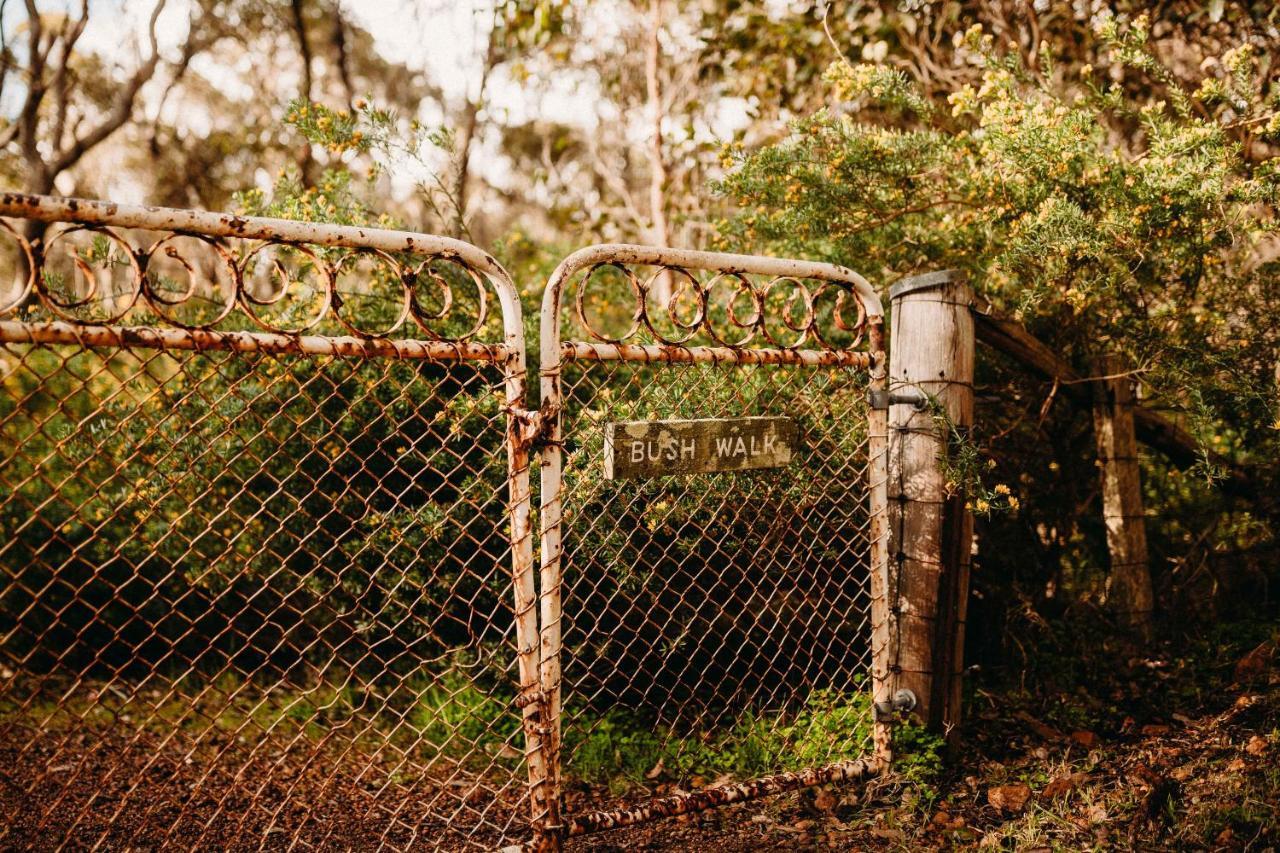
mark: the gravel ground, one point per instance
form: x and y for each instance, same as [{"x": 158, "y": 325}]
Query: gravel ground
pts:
[{"x": 131, "y": 791}]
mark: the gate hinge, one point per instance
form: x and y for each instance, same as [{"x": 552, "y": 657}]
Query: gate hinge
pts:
[
  {"x": 881, "y": 398},
  {"x": 902, "y": 702}
]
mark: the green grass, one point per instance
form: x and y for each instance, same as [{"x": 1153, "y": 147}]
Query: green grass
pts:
[
  {"x": 452, "y": 715},
  {"x": 621, "y": 749}
]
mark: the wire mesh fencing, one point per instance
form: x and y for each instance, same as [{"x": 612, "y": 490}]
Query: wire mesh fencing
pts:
[
  {"x": 266, "y": 535},
  {"x": 256, "y": 562},
  {"x": 710, "y": 607}
]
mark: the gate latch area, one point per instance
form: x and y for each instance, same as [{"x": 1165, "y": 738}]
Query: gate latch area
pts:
[{"x": 531, "y": 428}]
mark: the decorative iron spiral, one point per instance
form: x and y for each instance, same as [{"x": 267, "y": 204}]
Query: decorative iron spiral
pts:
[
  {"x": 196, "y": 282},
  {"x": 782, "y": 312}
]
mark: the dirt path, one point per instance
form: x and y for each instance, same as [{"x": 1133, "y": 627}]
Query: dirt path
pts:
[
  {"x": 1142, "y": 775},
  {"x": 132, "y": 788}
]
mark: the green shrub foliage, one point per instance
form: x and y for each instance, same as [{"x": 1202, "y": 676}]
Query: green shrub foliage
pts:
[{"x": 1106, "y": 220}]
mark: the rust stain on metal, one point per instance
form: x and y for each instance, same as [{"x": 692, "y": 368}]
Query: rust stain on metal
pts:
[
  {"x": 150, "y": 337},
  {"x": 710, "y": 798},
  {"x": 301, "y": 296},
  {"x": 730, "y": 315},
  {"x": 673, "y": 354},
  {"x": 190, "y": 310}
]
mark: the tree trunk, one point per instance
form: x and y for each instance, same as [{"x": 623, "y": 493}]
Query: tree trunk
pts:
[
  {"x": 306, "y": 163},
  {"x": 470, "y": 124}
]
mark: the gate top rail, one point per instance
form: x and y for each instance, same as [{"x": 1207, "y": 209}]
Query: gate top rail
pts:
[
  {"x": 383, "y": 251},
  {"x": 688, "y": 310}
]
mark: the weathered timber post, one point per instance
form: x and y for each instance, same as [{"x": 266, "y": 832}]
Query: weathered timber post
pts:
[
  {"x": 931, "y": 350},
  {"x": 1129, "y": 585}
]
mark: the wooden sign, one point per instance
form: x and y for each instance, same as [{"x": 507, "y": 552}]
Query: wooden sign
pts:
[{"x": 662, "y": 448}]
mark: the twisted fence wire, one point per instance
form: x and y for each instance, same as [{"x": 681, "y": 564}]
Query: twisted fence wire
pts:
[
  {"x": 702, "y": 600},
  {"x": 259, "y": 501}
]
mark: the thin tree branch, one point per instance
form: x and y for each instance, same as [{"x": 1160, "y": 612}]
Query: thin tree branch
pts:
[
  {"x": 6, "y": 60},
  {"x": 339, "y": 41},
  {"x": 661, "y": 230},
  {"x": 190, "y": 49},
  {"x": 123, "y": 107},
  {"x": 470, "y": 124},
  {"x": 826, "y": 28},
  {"x": 61, "y": 83},
  {"x": 614, "y": 182}
]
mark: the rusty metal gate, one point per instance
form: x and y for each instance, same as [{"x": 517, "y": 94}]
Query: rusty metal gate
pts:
[
  {"x": 259, "y": 518},
  {"x": 712, "y": 526},
  {"x": 266, "y": 535}
]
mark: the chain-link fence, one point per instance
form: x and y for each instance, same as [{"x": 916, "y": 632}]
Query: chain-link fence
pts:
[
  {"x": 266, "y": 551},
  {"x": 711, "y": 595},
  {"x": 255, "y": 538}
]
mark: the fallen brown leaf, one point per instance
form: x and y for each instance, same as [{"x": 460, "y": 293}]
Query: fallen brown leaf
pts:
[
  {"x": 824, "y": 800},
  {"x": 1009, "y": 798},
  {"x": 1086, "y": 739},
  {"x": 1254, "y": 664},
  {"x": 1062, "y": 784}
]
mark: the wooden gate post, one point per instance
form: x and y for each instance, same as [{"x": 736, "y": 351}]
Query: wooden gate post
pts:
[
  {"x": 1129, "y": 585},
  {"x": 931, "y": 350}
]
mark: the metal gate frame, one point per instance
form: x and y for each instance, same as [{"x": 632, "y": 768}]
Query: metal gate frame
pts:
[
  {"x": 809, "y": 348},
  {"x": 98, "y": 218},
  {"x": 537, "y": 598}
]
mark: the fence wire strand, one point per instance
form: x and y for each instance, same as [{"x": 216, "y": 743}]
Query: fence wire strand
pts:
[{"x": 730, "y": 605}]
